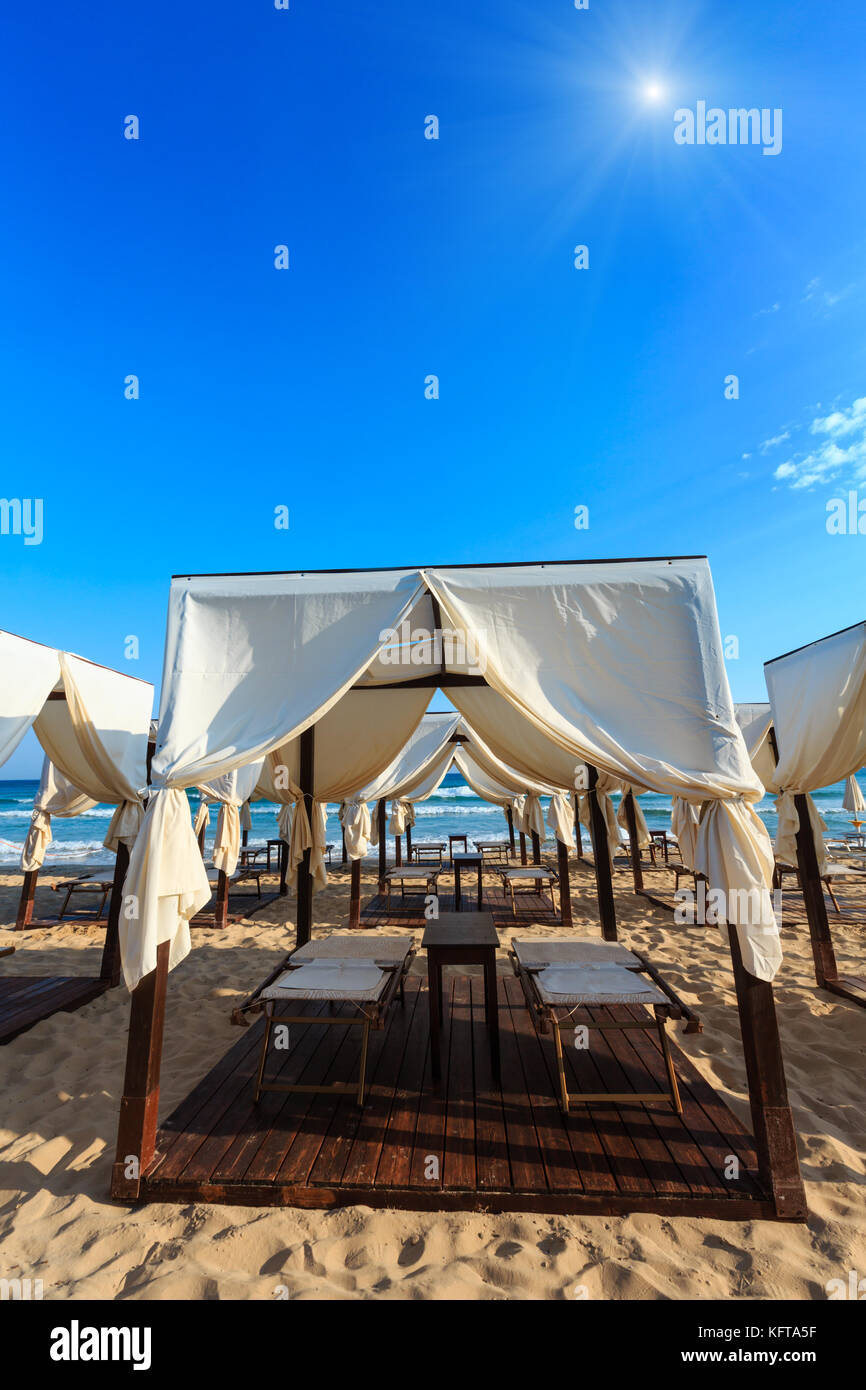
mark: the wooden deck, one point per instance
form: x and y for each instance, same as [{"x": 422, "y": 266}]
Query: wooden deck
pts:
[
  {"x": 240, "y": 906},
  {"x": 473, "y": 1144},
  {"x": 27, "y": 999},
  {"x": 531, "y": 909}
]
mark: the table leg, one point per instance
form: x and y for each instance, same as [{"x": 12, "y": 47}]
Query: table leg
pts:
[
  {"x": 491, "y": 1010},
  {"x": 479, "y": 887},
  {"x": 456, "y": 887},
  {"x": 434, "y": 990}
]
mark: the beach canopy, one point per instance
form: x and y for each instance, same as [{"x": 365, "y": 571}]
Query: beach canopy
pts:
[
  {"x": 618, "y": 664},
  {"x": 818, "y": 699},
  {"x": 93, "y": 724}
]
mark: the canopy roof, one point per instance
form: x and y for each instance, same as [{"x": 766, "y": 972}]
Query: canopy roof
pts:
[
  {"x": 615, "y": 663},
  {"x": 818, "y": 699}
]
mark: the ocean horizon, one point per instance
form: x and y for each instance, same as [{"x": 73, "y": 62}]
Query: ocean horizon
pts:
[{"x": 454, "y": 809}]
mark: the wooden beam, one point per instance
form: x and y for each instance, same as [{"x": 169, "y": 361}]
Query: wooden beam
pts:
[
  {"x": 355, "y": 895},
  {"x": 523, "y": 858},
  {"x": 826, "y": 969},
  {"x": 431, "y": 682},
  {"x": 110, "y": 969},
  {"x": 139, "y": 1106},
  {"x": 221, "y": 906},
  {"x": 772, "y": 1122},
  {"x": 344, "y": 854},
  {"x": 536, "y": 847},
  {"x": 509, "y": 816},
  {"x": 601, "y": 857},
  {"x": 383, "y": 841},
  {"x": 398, "y": 850},
  {"x": 634, "y": 847},
  {"x": 25, "y": 902},
  {"x": 284, "y": 869},
  {"x": 307, "y": 754},
  {"x": 578, "y": 838},
  {"x": 564, "y": 884},
  {"x": 409, "y": 844}
]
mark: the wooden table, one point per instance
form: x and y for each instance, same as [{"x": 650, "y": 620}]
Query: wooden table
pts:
[
  {"x": 493, "y": 849},
  {"x": 461, "y": 938},
  {"x": 659, "y": 839},
  {"x": 466, "y": 861}
]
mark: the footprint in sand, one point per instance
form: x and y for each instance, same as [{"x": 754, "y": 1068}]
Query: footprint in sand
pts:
[{"x": 412, "y": 1251}]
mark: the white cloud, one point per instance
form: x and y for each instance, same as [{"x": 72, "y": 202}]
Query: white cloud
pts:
[
  {"x": 776, "y": 439},
  {"x": 840, "y": 452}
]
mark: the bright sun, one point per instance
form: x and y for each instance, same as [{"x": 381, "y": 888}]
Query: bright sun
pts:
[{"x": 653, "y": 91}]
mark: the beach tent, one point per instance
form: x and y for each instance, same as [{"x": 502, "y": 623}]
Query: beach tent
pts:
[
  {"x": 756, "y": 722},
  {"x": 615, "y": 664},
  {"x": 818, "y": 700}
]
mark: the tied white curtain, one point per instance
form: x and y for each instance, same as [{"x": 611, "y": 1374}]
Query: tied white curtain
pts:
[
  {"x": 251, "y": 662},
  {"x": 643, "y": 835},
  {"x": 685, "y": 821},
  {"x": 560, "y": 818},
  {"x": 285, "y": 816},
  {"x": 202, "y": 817},
  {"x": 603, "y": 788},
  {"x": 56, "y": 797},
  {"x": 97, "y": 738},
  {"x": 246, "y": 818},
  {"x": 533, "y": 816},
  {"x": 621, "y": 665},
  {"x": 402, "y": 815},
  {"x": 789, "y": 823},
  {"x": 230, "y": 792},
  {"x": 357, "y": 822}
]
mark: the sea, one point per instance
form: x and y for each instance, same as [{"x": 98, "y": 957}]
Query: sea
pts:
[{"x": 454, "y": 809}]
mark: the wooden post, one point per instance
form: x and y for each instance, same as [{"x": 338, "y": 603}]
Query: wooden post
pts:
[
  {"x": 823, "y": 954},
  {"x": 25, "y": 902},
  {"x": 634, "y": 847},
  {"x": 345, "y": 854},
  {"x": 355, "y": 895},
  {"x": 398, "y": 850},
  {"x": 522, "y": 848},
  {"x": 601, "y": 857},
  {"x": 110, "y": 969},
  {"x": 564, "y": 884},
  {"x": 221, "y": 906},
  {"x": 772, "y": 1122},
  {"x": 139, "y": 1106},
  {"x": 536, "y": 847},
  {"x": 305, "y": 878},
  {"x": 284, "y": 868},
  {"x": 383, "y": 842},
  {"x": 578, "y": 838},
  {"x": 408, "y": 844},
  {"x": 509, "y": 816},
  {"x": 201, "y": 835}
]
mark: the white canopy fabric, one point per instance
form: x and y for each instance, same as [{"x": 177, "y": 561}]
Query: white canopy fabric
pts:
[
  {"x": 56, "y": 796},
  {"x": 97, "y": 737},
  {"x": 818, "y": 700},
  {"x": 853, "y": 799},
  {"x": 230, "y": 792},
  {"x": 756, "y": 721},
  {"x": 29, "y": 674},
  {"x": 619, "y": 664}
]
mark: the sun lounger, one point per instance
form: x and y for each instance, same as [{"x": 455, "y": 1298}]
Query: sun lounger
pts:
[
  {"x": 538, "y": 874},
  {"x": 560, "y": 977},
  {"x": 834, "y": 872},
  {"x": 243, "y": 874},
  {"x": 89, "y": 883},
  {"x": 493, "y": 851},
  {"x": 411, "y": 873},
  {"x": 340, "y": 969}
]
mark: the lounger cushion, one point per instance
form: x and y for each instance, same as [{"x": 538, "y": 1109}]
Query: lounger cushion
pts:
[
  {"x": 596, "y": 984},
  {"x": 573, "y": 952},
  {"x": 392, "y": 949},
  {"x": 329, "y": 979}
]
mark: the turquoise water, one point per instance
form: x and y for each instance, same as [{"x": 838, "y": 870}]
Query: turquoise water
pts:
[{"x": 453, "y": 810}]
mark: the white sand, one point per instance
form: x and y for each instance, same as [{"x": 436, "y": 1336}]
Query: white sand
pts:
[{"x": 60, "y": 1086}]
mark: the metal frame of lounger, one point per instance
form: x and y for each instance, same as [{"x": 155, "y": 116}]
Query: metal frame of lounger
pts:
[
  {"x": 833, "y": 871},
  {"x": 83, "y": 885},
  {"x": 431, "y": 882},
  {"x": 510, "y": 875},
  {"x": 546, "y": 1017},
  {"x": 371, "y": 1015}
]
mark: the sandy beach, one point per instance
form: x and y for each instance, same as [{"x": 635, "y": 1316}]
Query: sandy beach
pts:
[{"x": 61, "y": 1083}]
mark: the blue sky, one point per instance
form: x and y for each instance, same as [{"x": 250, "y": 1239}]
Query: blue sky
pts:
[{"x": 410, "y": 257}]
